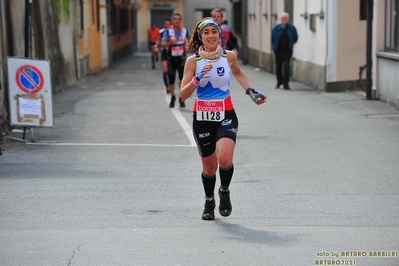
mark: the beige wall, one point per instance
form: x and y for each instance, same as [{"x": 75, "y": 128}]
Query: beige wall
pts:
[
  {"x": 351, "y": 40},
  {"x": 65, "y": 35},
  {"x": 310, "y": 52},
  {"x": 311, "y": 46},
  {"x": 261, "y": 18}
]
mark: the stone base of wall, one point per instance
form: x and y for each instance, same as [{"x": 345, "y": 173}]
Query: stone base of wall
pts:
[
  {"x": 122, "y": 52},
  {"x": 309, "y": 73},
  {"x": 340, "y": 86},
  {"x": 391, "y": 101},
  {"x": 304, "y": 72},
  {"x": 84, "y": 66},
  {"x": 261, "y": 60},
  {"x": 388, "y": 78}
]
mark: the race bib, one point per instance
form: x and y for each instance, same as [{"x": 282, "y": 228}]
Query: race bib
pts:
[
  {"x": 212, "y": 110},
  {"x": 177, "y": 50}
]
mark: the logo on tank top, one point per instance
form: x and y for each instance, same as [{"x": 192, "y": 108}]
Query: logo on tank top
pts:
[{"x": 220, "y": 71}]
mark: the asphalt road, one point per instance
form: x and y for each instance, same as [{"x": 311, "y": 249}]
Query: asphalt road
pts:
[{"x": 117, "y": 181}]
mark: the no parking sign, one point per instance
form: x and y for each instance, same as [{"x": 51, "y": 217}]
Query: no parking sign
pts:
[{"x": 30, "y": 92}]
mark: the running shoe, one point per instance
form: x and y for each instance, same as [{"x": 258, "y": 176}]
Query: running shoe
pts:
[
  {"x": 209, "y": 210},
  {"x": 172, "y": 102},
  {"x": 225, "y": 203}
]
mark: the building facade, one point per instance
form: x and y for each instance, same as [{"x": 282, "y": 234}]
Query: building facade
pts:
[
  {"x": 78, "y": 37},
  {"x": 332, "y": 42},
  {"x": 153, "y": 11},
  {"x": 386, "y": 51},
  {"x": 195, "y": 10}
]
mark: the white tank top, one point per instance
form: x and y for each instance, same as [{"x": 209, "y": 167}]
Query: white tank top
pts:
[{"x": 215, "y": 85}]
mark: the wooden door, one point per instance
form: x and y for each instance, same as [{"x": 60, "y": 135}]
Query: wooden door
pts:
[{"x": 94, "y": 35}]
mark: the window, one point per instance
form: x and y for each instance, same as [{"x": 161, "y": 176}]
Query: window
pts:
[
  {"x": 98, "y": 15},
  {"x": 123, "y": 20},
  {"x": 363, "y": 10},
  {"x": 237, "y": 7},
  {"x": 206, "y": 13},
  {"x": 82, "y": 18},
  {"x": 392, "y": 25},
  {"x": 113, "y": 18}
]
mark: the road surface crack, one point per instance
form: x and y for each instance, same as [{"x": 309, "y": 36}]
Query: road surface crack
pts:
[{"x": 73, "y": 255}]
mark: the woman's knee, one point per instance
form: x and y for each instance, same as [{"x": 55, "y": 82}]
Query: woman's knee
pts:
[
  {"x": 209, "y": 165},
  {"x": 225, "y": 161}
]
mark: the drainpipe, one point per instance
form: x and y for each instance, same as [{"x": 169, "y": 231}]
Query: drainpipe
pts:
[
  {"x": 244, "y": 32},
  {"x": 28, "y": 22},
  {"x": 271, "y": 61},
  {"x": 369, "y": 60}
]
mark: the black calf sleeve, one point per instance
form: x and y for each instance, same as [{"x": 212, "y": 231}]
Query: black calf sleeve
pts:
[
  {"x": 226, "y": 174},
  {"x": 209, "y": 184}
]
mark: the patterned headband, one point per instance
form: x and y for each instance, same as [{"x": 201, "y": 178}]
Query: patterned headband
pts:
[{"x": 204, "y": 24}]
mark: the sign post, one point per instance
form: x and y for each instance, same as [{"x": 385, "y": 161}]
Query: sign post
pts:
[{"x": 30, "y": 93}]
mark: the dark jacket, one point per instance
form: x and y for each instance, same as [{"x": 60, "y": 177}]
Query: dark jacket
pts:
[
  {"x": 228, "y": 40},
  {"x": 276, "y": 34}
]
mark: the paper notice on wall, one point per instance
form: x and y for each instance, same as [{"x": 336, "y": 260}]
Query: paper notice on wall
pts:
[{"x": 30, "y": 107}]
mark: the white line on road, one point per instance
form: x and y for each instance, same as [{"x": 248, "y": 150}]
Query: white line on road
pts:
[
  {"x": 109, "y": 144},
  {"x": 183, "y": 122}
]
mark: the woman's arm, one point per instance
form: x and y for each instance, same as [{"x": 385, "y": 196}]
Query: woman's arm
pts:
[
  {"x": 236, "y": 70},
  {"x": 187, "y": 87},
  {"x": 256, "y": 96}
]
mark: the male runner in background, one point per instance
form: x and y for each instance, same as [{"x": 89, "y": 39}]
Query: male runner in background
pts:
[
  {"x": 175, "y": 39},
  {"x": 166, "y": 25},
  {"x": 153, "y": 36},
  {"x": 227, "y": 38}
]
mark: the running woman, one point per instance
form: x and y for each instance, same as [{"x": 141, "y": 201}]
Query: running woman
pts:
[
  {"x": 153, "y": 36},
  {"x": 176, "y": 40},
  {"x": 215, "y": 123},
  {"x": 164, "y": 51}
]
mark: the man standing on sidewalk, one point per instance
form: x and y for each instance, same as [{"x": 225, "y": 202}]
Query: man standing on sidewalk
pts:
[{"x": 284, "y": 36}]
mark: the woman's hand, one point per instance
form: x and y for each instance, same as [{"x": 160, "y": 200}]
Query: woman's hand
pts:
[
  {"x": 257, "y": 96},
  {"x": 205, "y": 69}
]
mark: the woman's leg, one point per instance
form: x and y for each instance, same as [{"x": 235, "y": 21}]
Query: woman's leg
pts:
[
  {"x": 209, "y": 167},
  {"x": 224, "y": 154},
  {"x": 164, "y": 64}
]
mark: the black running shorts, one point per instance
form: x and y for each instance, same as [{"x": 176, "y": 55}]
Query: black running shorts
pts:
[
  {"x": 164, "y": 54},
  {"x": 207, "y": 134},
  {"x": 175, "y": 64}
]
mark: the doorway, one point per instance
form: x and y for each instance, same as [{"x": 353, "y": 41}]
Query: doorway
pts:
[{"x": 158, "y": 16}]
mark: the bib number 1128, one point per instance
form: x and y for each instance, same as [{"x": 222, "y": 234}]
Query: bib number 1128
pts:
[
  {"x": 210, "y": 111},
  {"x": 210, "y": 116}
]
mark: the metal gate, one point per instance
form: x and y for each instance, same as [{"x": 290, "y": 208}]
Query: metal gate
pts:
[{"x": 158, "y": 16}]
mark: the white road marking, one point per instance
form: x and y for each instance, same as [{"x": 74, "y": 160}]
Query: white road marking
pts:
[
  {"x": 181, "y": 120},
  {"x": 108, "y": 144}
]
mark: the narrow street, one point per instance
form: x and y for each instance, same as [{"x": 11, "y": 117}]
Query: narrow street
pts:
[{"x": 117, "y": 181}]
